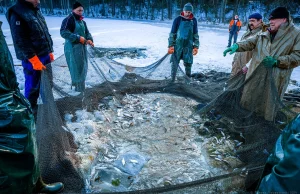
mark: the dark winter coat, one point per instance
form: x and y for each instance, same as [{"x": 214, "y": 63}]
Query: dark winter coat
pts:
[
  {"x": 29, "y": 30},
  {"x": 68, "y": 26}
]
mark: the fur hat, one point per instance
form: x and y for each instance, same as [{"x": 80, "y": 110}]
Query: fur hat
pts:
[
  {"x": 188, "y": 7},
  {"x": 279, "y": 12},
  {"x": 255, "y": 16},
  {"x": 76, "y": 4}
]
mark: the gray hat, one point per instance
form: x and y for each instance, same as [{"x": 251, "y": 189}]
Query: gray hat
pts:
[{"x": 188, "y": 7}]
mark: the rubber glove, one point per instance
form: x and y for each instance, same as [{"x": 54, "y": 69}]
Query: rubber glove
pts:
[
  {"x": 36, "y": 63},
  {"x": 171, "y": 50},
  {"x": 270, "y": 62},
  {"x": 231, "y": 49},
  {"x": 195, "y": 51},
  {"x": 51, "y": 55}
]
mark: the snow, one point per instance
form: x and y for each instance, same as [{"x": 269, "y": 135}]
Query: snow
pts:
[{"x": 145, "y": 34}]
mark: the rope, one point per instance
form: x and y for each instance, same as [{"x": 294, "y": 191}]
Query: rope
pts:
[{"x": 188, "y": 184}]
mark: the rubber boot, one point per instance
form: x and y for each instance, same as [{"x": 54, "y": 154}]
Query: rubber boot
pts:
[
  {"x": 188, "y": 69},
  {"x": 80, "y": 87},
  {"x": 41, "y": 187}
]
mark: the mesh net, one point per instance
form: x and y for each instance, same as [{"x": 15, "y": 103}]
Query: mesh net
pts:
[{"x": 232, "y": 109}]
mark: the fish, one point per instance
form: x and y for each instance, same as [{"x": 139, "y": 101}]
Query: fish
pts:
[
  {"x": 123, "y": 162},
  {"x": 134, "y": 161}
]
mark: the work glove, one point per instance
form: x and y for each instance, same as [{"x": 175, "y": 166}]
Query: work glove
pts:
[
  {"x": 231, "y": 49},
  {"x": 195, "y": 51},
  {"x": 270, "y": 62},
  {"x": 82, "y": 40},
  {"x": 89, "y": 42},
  {"x": 51, "y": 55},
  {"x": 36, "y": 63},
  {"x": 171, "y": 50},
  {"x": 245, "y": 70}
]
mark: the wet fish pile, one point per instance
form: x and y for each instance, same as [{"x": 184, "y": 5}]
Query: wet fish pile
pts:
[{"x": 147, "y": 141}]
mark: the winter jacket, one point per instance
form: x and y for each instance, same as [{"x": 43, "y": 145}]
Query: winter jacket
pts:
[
  {"x": 235, "y": 27},
  {"x": 68, "y": 27},
  {"x": 240, "y": 59},
  {"x": 286, "y": 48},
  {"x": 29, "y": 30}
]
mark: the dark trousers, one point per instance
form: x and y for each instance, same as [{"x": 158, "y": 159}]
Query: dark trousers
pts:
[
  {"x": 33, "y": 79},
  {"x": 232, "y": 34}
]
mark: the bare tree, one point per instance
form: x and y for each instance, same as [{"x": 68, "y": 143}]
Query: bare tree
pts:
[
  {"x": 162, "y": 10},
  {"x": 170, "y": 9}
]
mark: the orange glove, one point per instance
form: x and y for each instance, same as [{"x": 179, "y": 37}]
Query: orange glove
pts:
[
  {"x": 171, "y": 50},
  {"x": 82, "y": 40},
  {"x": 36, "y": 63},
  {"x": 195, "y": 51},
  {"x": 51, "y": 57},
  {"x": 90, "y": 43}
]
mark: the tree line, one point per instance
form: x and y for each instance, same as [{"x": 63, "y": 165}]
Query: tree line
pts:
[{"x": 218, "y": 11}]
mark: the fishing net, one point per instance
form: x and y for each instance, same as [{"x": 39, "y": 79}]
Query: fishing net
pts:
[{"x": 232, "y": 109}]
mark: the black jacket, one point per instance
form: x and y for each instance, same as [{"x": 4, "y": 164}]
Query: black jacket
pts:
[{"x": 29, "y": 30}]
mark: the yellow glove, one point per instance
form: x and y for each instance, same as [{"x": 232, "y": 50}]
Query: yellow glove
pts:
[{"x": 36, "y": 63}]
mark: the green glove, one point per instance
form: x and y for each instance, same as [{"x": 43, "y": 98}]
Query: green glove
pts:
[
  {"x": 270, "y": 62},
  {"x": 231, "y": 49}
]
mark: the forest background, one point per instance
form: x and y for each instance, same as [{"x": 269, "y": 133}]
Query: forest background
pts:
[{"x": 206, "y": 11}]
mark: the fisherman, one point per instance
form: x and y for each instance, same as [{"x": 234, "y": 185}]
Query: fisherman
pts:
[
  {"x": 32, "y": 43},
  {"x": 240, "y": 59},
  {"x": 184, "y": 38},
  {"x": 76, "y": 34}
]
